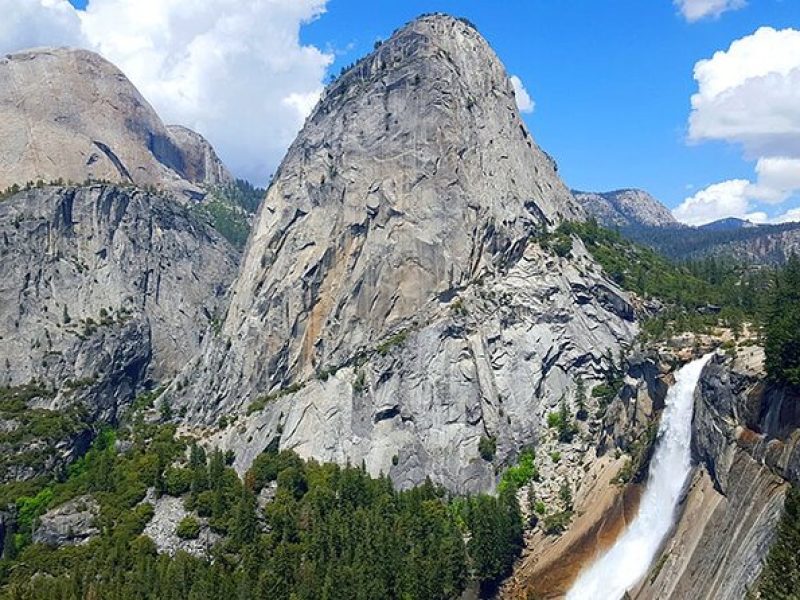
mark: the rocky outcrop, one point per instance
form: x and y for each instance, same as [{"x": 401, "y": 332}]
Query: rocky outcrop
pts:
[
  {"x": 626, "y": 208},
  {"x": 636, "y": 407},
  {"x": 70, "y": 524},
  {"x": 550, "y": 563},
  {"x": 70, "y": 115},
  {"x": 200, "y": 162},
  {"x": 747, "y": 444},
  {"x": 168, "y": 511},
  {"x": 766, "y": 245},
  {"x": 393, "y": 306},
  {"x": 101, "y": 289}
]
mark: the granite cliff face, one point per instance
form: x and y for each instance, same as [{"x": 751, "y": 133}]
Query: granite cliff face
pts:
[
  {"x": 626, "y": 208},
  {"x": 200, "y": 161},
  {"x": 69, "y": 114},
  {"x": 102, "y": 289},
  {"x": 394, "y": 306}
]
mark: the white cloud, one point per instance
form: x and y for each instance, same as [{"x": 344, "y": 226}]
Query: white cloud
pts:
[
  {"x": 778, "y": 179},
  {"x": 30, "y": 23},
  {"x": 524, "y": 101},
  {"x": 234, "y": 71},
  {"x": 750, "y": 94},
  {"x": 694, "y": 10},
  {"x": 717, "y": 201},
  {"x": 792, "y": 214}
]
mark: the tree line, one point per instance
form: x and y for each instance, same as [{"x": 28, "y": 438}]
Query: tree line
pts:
[{"x": 329, "y": 532}]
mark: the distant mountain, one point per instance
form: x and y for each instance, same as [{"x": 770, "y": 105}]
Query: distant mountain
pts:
[
  {"x": 751, "y": 244},
  {"x": 643, "y": 219},
  {"x": 70, "y": 114},
  {"x": 626, "y": 208},
  {"x": 728, "y": 224}
]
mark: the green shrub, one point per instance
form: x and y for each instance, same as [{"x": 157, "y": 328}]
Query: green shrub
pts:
[
  {"x": 188, "y": 528},
  {"x": 29, "y": 509},
  {"x": 604, "y": 392},
  {"x": 562, "y": 246},
  {"x": 625, "y": 473},
  {"x": 520, "y": 474},
  {"x": 261, "y": 402},
  {"x": 557, "y": 523},
  {"x": 360, "y": 383},
  {"x": 177, "y": 481},
  {"x": 487, "y": 448},
  {"x": 397, "y": 339}
]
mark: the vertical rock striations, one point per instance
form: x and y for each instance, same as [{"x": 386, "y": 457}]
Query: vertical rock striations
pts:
[
  {"x": 103, "y": 287},
  {"x": 200, "y": 161},
  {"x": 394, "y": 306}
]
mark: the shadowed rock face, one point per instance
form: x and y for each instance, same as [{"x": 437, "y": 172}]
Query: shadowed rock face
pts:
[
  {"x": 70, "y": 524},
  {"x": 200, "y": 161},
  {"x": 391, "y": 277},
  {"x": 70, "y": 114},
  {"x": 105, "y": 286}
]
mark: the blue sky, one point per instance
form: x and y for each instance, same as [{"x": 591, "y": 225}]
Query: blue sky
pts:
[{"x": 611, "y": 79}]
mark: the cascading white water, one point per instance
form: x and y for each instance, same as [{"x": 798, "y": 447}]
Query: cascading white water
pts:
[{"x": 628, "y": 560}]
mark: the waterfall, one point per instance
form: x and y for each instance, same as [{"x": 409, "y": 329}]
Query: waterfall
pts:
[{"x": 629, "y": 559}]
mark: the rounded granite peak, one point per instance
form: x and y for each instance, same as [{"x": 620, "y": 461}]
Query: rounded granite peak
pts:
[{"x": 69, "y": 114}]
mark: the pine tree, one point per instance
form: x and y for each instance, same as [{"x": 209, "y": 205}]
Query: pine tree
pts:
[
  {"x": 782, "y": 327},
  {"x": 243, "y": 525},
  {"x": 565, "y": 493},
  {"x": 580, "y": 400},
  {"x": 531, "y": 499},
  {"x": 566, "y": 427},
  {"x": 780, "y": 579}
]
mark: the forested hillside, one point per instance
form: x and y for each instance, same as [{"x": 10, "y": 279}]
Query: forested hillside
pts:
[
  {"x": 762, "y": 244},
  {"x": 683, "y": 296},
  {"x": 327, "y": 532}
]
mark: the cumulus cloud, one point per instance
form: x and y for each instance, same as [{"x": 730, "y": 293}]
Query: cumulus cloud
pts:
[
  {"x": 717, "y": 201},
  {"x": 694, "y": 10},
  {"x": 778, "y": 179},
  {"x": 749, "y": 95},
  {"x": 234, "y": 71},
  {"x": 524, "y": 101},
  {"x": 31, "y": 23}
]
